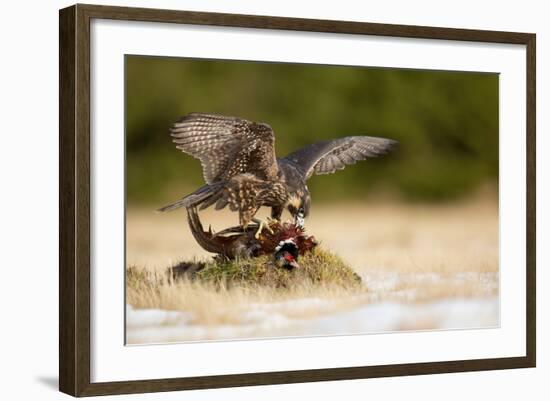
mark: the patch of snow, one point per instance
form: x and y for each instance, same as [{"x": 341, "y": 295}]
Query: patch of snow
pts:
[
  {"x": 393, "y": 316},
  {"x": 379, "y": 282},
  {"x": 383, "y": 282},
  {"x": 137, "y": 318},
  {"x": 269, "y": 320}
]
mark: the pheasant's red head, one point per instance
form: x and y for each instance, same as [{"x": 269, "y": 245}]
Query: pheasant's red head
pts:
[{"x": 286, "y": 254}]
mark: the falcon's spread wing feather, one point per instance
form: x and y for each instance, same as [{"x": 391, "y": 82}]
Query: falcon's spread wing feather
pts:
[
  {"x": 227, "y": 146},
  {"x": 328, "y": 156}
]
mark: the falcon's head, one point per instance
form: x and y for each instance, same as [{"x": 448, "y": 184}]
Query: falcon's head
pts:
[{"x": 298, "y": 205}]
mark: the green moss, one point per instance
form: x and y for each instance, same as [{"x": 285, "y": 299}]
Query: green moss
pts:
[{"x": 316, "y": 268}]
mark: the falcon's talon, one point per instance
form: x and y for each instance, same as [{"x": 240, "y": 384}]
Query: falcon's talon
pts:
[
  {"x": 259, "y": 231},
  {"x": 261, "y": 225}
]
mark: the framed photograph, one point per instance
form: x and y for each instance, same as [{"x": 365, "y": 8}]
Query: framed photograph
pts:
[{"x": 249, "y": 200}]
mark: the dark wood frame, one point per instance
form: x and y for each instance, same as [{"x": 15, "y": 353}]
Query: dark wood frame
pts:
[{"x": 74, "y": 200}]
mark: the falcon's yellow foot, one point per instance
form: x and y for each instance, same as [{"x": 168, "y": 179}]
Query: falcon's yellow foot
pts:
[
  {"x": 271, "y": 220},
  {"x": 261, "y": 225}
]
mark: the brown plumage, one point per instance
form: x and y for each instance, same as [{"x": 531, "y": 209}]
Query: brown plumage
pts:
[{"x": 241, "y": 170}]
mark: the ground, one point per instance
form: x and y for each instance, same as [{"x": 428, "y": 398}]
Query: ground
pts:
[{"x": 423, "y": 267}]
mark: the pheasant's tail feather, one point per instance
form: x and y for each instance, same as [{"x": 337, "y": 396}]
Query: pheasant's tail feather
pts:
[
  {"x": 200, "y": 195},
  {"x": 205, "y": 239}
]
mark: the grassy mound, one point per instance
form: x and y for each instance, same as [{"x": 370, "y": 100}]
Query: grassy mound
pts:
[{"x": 317, "y": 268}]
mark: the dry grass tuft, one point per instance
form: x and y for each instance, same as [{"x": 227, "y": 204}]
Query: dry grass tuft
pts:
[{"x": 215, "y": 289}]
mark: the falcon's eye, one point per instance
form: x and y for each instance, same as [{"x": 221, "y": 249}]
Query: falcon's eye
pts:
[{"x": 301, "y": 211}]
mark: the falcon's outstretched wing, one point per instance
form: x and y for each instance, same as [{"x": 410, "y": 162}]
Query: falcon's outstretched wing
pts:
[
  {"x": 328, "y": 156},
  {"x": 227, "y": 146}
]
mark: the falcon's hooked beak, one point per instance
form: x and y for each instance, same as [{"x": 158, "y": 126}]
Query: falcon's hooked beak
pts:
[
  {"x": 300, "y": 220},
  {"x": 298, "y": 206}
]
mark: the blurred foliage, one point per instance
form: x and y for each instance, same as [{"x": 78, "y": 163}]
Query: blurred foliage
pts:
[{"x": 446, "y": 123}]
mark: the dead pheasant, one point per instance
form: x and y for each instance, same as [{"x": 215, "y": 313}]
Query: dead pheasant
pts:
[{"x": 285, "y": 241}]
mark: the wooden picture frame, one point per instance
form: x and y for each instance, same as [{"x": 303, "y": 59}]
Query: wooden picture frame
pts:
[{"x": 74, "y": 203}]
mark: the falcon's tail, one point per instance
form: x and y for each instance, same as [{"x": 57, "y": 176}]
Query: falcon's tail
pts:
[{"x": 200, "y": 195}]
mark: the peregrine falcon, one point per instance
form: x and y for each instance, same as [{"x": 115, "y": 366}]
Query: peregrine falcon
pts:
[{"x": 241, "y": 170}]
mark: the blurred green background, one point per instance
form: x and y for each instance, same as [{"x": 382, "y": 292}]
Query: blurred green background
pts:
[{"x": 446, "y": 123}]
